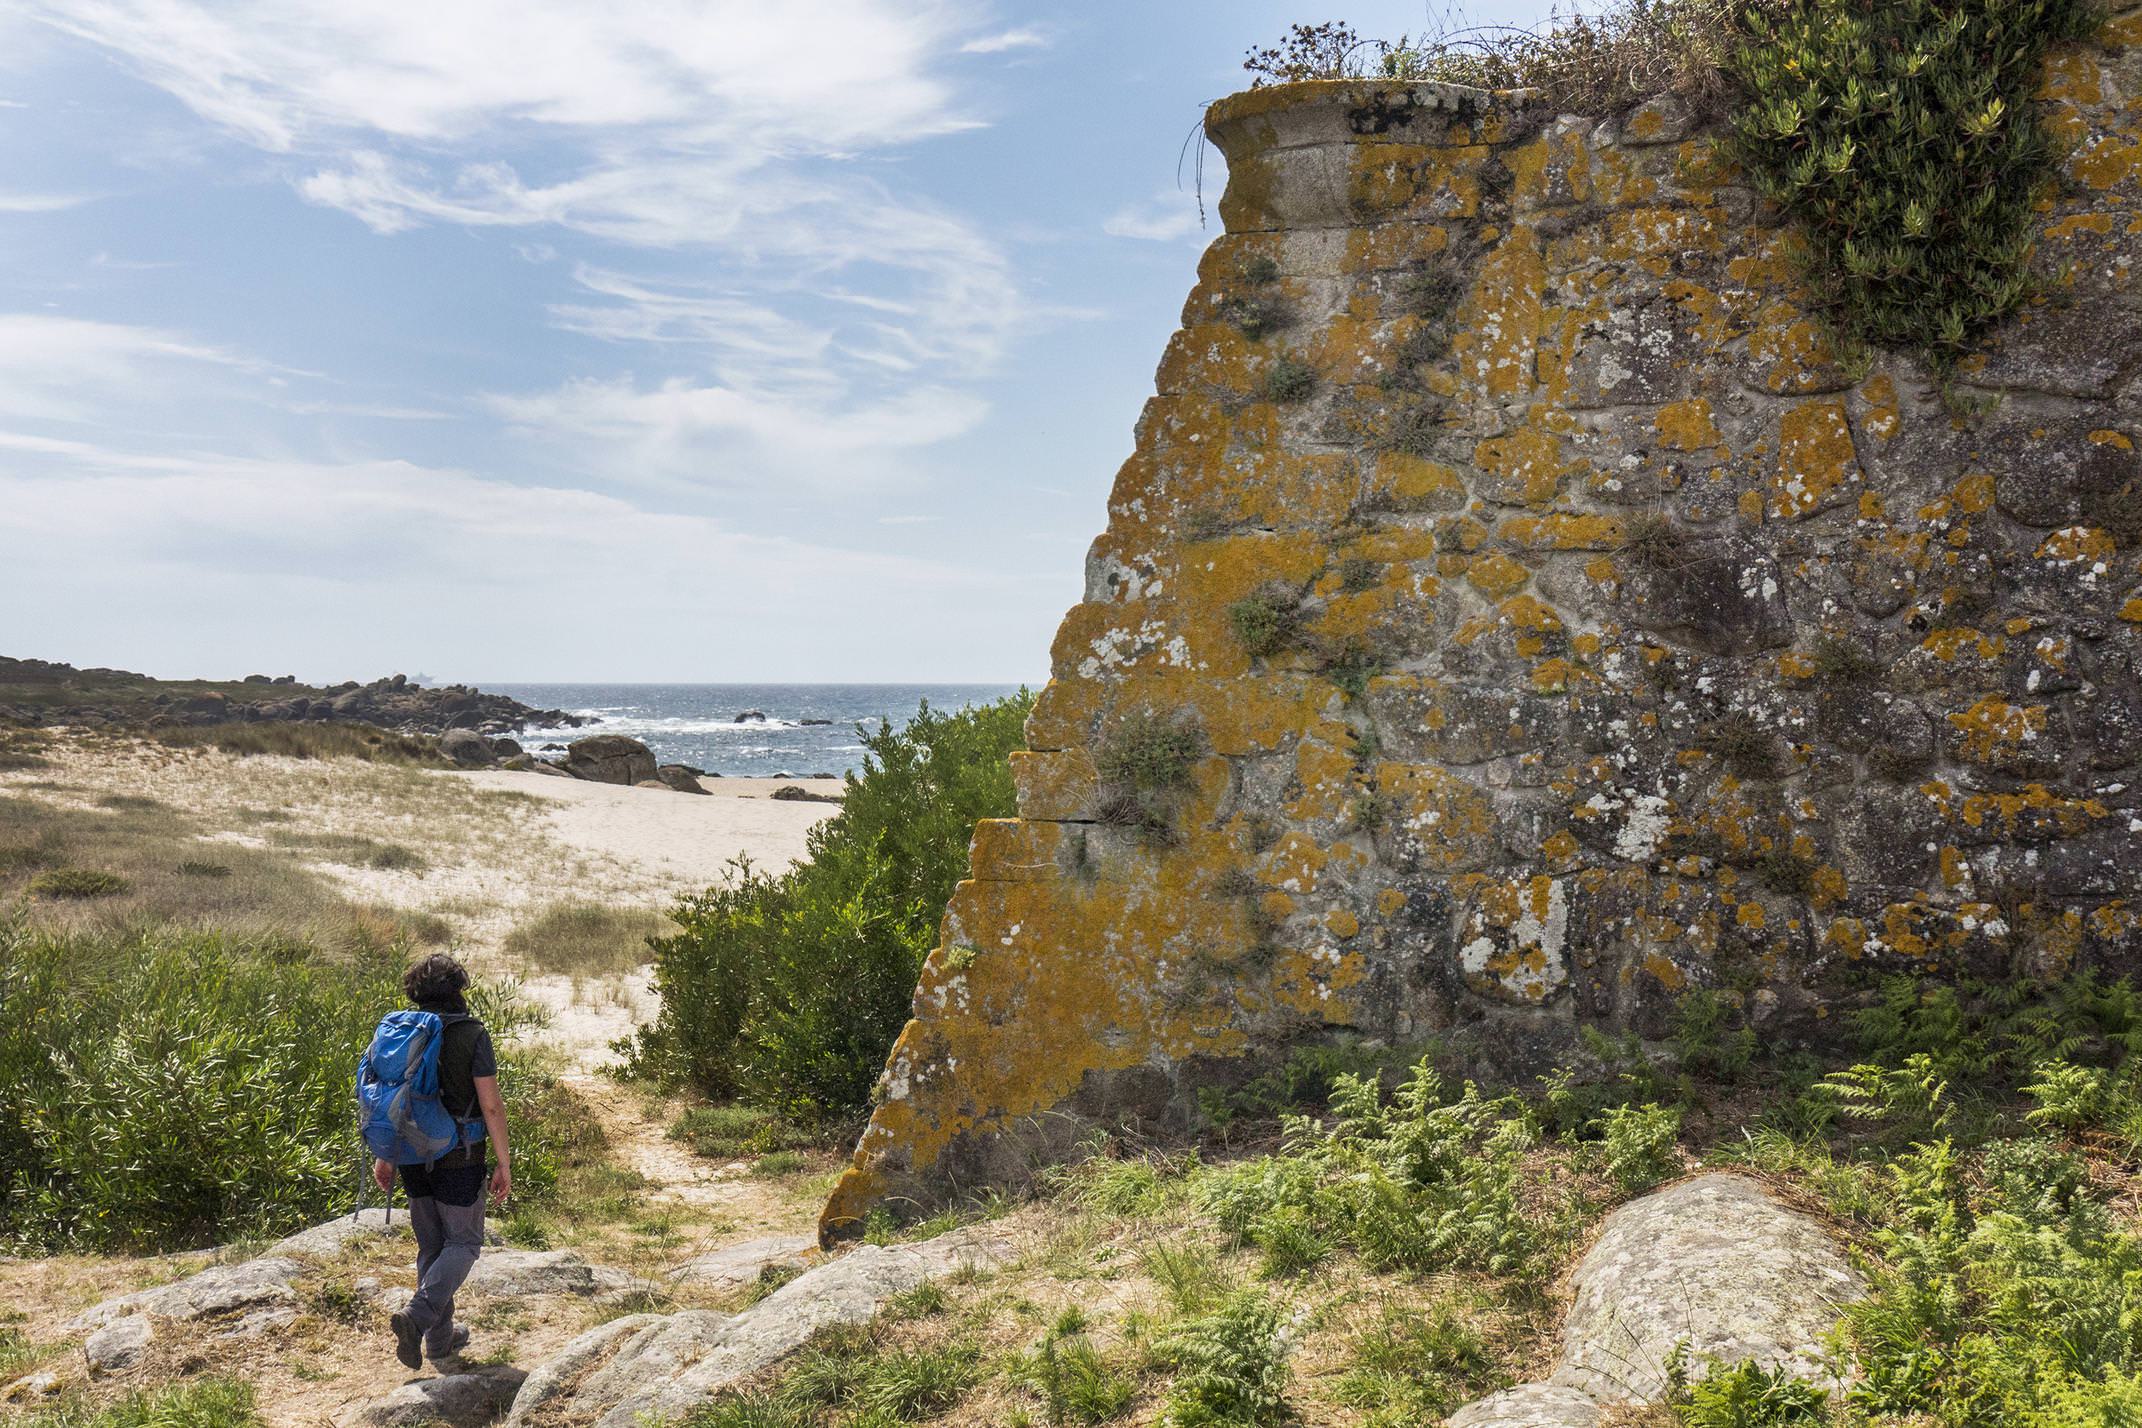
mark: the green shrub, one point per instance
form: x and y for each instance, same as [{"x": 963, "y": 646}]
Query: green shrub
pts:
[
  {"x": 1288, "y": 381},
  {"x": 1748, "y": 1395},
  {"x": 1904, "y": 140},
  {"x": 1637, "y": 1145},
  {"x": 789, "y": 988},
  {"x": 1231, "y": 1368},
  {"x": 168, "y": 1090},
  {"x": 77, "y": 883}
]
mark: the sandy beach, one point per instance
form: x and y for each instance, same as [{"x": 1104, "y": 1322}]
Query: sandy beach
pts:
[
  {"x": 684, "y": 839},
  {"x": 479, "y": 855}
]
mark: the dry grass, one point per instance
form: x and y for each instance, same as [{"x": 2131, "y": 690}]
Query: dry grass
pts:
[
  {"x": 309, "y": 741},
  {"x": 585, "y": 939}
]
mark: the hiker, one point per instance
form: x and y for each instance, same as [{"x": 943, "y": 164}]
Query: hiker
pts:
[{"x": 428, "y": 1096}]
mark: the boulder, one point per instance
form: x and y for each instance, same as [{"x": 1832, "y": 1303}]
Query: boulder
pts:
[
  {"x": 742, "y": 1264},
  {"x": 465, "y": 747},
  {"x": 652, "y": 783},
  {"x": 1715, "y": 1263},
  {"x": 554, "y": 770},
  {"x": 795, "y": 793},
  {"x": 520, "y": 1274},
  {"x": 610, "y": 758},
  {"x": 519, "y": 763},
  {"x": 326, "y": 1240},
  {"x": 678, "y": 777},
  {"x": 31, "y": 1388},
  {"x": 221, "y": 1290},
  {"x": 461, "y": 1400},
  {"x": 751, "y": 716},
  {"x": 505, "y": 747},
  {"x": 119, "y": 1345},
  {"x": 662, "y": 1366}
]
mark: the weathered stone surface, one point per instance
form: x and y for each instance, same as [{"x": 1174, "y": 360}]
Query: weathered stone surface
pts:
[
  {"x": 1627, "y": 644},
  {"x": 327, "y": 1239},
  {"x": 610, "y": 758},
  {"x": 1531, "y": 1405},
  {"x": 737, "y": 1265},
  {"x": 649, "y": 1366},
  {"x": 1715, "y": 1264},
  {"x": 466, "y": 747},
  {"x": 461, "y": 1400},
  {"x": 514, "y": 1274},
  {"x": 215, "y": 1292},
  {"x": 119, "y": 1345}
]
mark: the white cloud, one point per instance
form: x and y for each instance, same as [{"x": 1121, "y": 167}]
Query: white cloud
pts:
[
  {"x": 820, "y": 309},
  {"x": 40, "y": 202},
  {"x": 66, "y": 368},
  {"x": 344, "y": 568},
  {"x": 1025, "y": 38},
  {"x": 1168, "y": 218}
]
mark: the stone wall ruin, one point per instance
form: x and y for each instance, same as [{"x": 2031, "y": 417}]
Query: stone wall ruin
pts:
[{"x": 1553, "y": 629}]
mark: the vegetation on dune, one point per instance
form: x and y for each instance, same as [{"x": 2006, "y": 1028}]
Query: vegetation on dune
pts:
[
  {"x": 309, "y": 741},
  {"x": 787, "y": 989},
  {"x": 176, "y": 1089},
  {"x": 587, "y": 939}
]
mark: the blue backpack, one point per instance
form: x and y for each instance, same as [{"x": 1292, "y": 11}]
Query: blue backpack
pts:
[{"x": 398, "y": 1106}]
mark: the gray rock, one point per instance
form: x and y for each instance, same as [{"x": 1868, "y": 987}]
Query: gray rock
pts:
[
  {"x": 459, "y": 1399},
  {"x": 1716, "y": 1264},
  {"x": 119, "y": 1345},
  {"x": 680, "y": 778},
  {"x": 326, "y": 1240},
  {"x": 554, "y": 770},
  {"x": 466, "y": 747},
  {"x": 610, "y": 758},
  {"x": 31, "y": 1387},
  {"x": 1530, "y": 1405},
  {"x": 226, "y": 1289},
  {"x": 662, "y": 1366},
  {"x": 742, "y": 1264},
  {"x": 517, "y": 1274}
]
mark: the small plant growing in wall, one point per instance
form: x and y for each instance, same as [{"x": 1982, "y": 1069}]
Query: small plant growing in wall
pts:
[
  {"x": 1287, "y": 381},
  {"x": 1358, "y": 574},
  {"x": 1351, "y": 666},
  {"x": 1257, "y": 311},
  {"x": 1145, "y": 769},
  {"x": 1267, "y": 621},
  {"x": 1743, "y": 746}
]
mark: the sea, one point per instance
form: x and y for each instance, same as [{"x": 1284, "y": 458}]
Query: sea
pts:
[{"x": 707, "y": 725}]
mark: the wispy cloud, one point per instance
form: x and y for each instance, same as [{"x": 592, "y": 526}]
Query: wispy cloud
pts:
[
  {"x": 1168, "y": 218},
  {"x": 66, "y": 369},
  {"x": 1026, "y": 38},
  {"x": 818, "y": 306},
  {"x": 41, "y": 202}
]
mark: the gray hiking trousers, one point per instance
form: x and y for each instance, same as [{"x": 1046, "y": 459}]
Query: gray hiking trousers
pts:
[{"x": 446, "y": 1211}]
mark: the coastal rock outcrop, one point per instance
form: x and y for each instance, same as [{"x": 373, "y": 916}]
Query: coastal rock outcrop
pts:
[
  {"x": 610, "y": 758},
  {"x": 1515, "y": 619}
]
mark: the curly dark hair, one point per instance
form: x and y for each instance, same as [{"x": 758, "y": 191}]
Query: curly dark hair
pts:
[{"x": 436, "y": 978}]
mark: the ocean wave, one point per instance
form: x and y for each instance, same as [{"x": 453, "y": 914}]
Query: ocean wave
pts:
[{"x": 671, "y": 726}]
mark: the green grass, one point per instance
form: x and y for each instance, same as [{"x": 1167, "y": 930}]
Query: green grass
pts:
[
  {"x": 207, "y": 1403},
  {"x": 77, "y": 883},
  {"x": 738, "y": 1132},
  {"x": 587, "y": 939}
]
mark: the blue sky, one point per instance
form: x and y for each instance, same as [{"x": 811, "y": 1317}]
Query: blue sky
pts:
[{"x": 545, "y": 340}]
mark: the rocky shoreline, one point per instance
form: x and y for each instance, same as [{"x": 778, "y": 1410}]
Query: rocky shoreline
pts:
[{"x": 38, "y": 692}]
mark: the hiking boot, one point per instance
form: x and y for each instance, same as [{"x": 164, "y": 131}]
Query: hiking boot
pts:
[
  {"x": 455, "y": 1343},
  {"x": 408, "y": 1341}
]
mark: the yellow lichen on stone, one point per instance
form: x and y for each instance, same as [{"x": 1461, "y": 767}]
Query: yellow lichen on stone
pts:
[
  {"x": 1816, "y": 459},
  {"x": 1687, "y": 425}
]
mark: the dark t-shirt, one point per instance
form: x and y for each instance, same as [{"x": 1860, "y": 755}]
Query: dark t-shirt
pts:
[{"x": 465, "y": 1054}]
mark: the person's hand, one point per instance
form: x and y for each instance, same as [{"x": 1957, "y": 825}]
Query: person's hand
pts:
[
  {"x": 383, "y": 1176},
  {"x": 501, "y": 1183}
]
